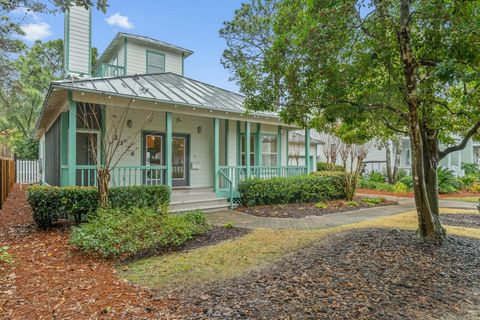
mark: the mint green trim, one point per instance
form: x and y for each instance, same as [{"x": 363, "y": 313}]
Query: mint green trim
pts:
[
  {"x": 279, "y": 147},
  {"x": 153, "y": 52},
  {"x": 125, "y": 42},
  {"x": 307, "y": 149},
  {"x": 168, "y": 147},
  {"x": 90, "y": 71},
  {"x": 258, "y": 145},
  {"x": 239, "y": 156},
  {"x": 286, "y": 148},
  {"x": 72, "y": 140},
  {"x": 216, "y": 152},
  {"x": 66, "y": 46},
  {"x": 63, "y": 146},
  {"x": 247, "y": 147},
  {"x": 226, "y": 140}
]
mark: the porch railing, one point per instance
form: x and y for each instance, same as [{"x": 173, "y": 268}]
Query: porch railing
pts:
[
  {"x": 232, "y": 175},
  {"x": 109, "y": 70},
  {"x": 122, "y": 176}
]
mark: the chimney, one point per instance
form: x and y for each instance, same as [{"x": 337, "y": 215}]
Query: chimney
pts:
[{"x": 78, "y": 42}]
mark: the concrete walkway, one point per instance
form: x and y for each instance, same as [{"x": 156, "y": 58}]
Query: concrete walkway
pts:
[{"x": 240, "y": 219}]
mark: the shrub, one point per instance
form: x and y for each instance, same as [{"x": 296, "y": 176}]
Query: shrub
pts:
[
  {"x": 5, "y": 257},
  {"x": 352, "y": 203},
  {"x": 408, "y": 181},
  {"x": 317, "y": 187},
  {"x": 373, "y": 201},
  {"x": 475, "y": 187},
  {"x": 228, "y": 225},
  {"x": 321, "y": 205},
  {"x": 471, "y": 169},
  {"x": 400, "y": 187},
  {"x": 447, "y": 182},
  {"x": 325, "y": 166},
  {"x": 376, "y": 177},
  {"x": 113, "y": 232},
  {"x": 372, "y": 185},
  {"x": 50, "y": 204}
]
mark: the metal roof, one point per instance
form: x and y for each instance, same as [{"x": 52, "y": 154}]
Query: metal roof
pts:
[
  {"x": 163, "y": 87},
  {"x": 117, "y": 40}
]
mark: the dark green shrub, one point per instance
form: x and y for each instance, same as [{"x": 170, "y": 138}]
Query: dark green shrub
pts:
[
  {"x": 376, "y": 177},
  {"x": 447, "y": 182},
  {"x": 50, "y": 204},
  {"x": 114, "y": 232},
  {"x": 325, "y": 166},
  {"x": 408, "y": 181},
  {"x": 471, "y": 169},
  {"x": 373, "y": 185},
  {"x": 312, "y": 188}
]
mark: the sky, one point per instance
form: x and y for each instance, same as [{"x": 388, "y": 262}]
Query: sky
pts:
[{"x": 191, "y": 24}]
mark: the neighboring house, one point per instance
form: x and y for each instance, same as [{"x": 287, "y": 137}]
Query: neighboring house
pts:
[
  {"x": 200, "y": 138},
  {"x": 296, "y": 149}
]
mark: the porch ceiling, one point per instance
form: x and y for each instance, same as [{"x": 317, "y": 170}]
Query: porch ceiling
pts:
[{"x": 164, "y": 87}]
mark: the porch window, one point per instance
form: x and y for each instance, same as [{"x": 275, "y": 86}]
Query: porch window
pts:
[
  {"x": 269, "y": 151},
  {"x": 89, "y": 116},
  {"x": 154, "y": 150},
  {"x": 252, "y": 150},
  {"x": 155, "y": 62}
]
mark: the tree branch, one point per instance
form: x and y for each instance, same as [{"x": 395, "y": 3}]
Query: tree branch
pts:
[{"x": 462, "y": 144}]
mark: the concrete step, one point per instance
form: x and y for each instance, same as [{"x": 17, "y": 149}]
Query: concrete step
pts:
[{"x": 207, "y": 205}]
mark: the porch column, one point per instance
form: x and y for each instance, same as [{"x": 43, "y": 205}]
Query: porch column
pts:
[
  {"x": 216, "y": 152},
  {"x": 307, "y": 149},
  {"x": 258, "y": 146},
  {"x": 64, "y": 180},
  {"x": 72, "y": 140},
  {"x": 247, "y": 147},
  {"x": 279, "y": 150},
  {"x": 287, "y": 160},
  {"x": 168, "y": 148}
]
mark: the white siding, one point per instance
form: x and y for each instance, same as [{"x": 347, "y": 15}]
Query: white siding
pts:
[
  {"x": 78, "y": 41},
  {"x": 201, "y": 144},
  {"x": 137, "y": 58}
]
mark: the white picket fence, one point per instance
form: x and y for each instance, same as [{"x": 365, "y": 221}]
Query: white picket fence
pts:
[{"x": 27, "y": 171}]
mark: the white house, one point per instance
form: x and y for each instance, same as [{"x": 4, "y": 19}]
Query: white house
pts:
[{"x": 198, "y": 139}]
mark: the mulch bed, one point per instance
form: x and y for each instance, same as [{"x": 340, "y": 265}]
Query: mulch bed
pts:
[
  {"x": 411, "y": 195},
  {"x": 362, "y": 274},
  {"x": 215, "y": 235},
  {"x": 300, "y": 210},
  {"x": 50, "y": 279},
  {"x": 461, "y": 220}
]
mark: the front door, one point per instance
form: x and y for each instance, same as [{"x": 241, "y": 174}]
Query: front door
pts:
[{"x": 180, "y": 160}]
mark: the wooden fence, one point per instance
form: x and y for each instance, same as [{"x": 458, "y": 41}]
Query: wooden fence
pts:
[
  {"x": 7, "y": 178},
  {"x": 27, "y": 171}
]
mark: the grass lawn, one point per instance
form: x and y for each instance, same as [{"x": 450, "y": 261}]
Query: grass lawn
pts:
[
  {"x": 467, "y": 199},
  {"x": 255, "y": 250}
]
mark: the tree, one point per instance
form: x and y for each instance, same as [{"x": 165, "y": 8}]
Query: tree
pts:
[{"x": 405, "y": 66}]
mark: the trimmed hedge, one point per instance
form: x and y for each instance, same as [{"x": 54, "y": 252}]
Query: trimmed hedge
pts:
[
  {"x": 311, "y": 188},
  {"x": 50, "y": 204},
  {"x": 325, "y": 166}
]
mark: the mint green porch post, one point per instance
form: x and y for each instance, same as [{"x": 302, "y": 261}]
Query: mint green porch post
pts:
[
  {"x": 216, "y": 152},
  {"x": 247, "y": 147},
  {"x": 307, "y": 149},
  {"x": 72, "y": 140},
  {"x": 258, "y": 146},
  {"x": 286, "y": 148},
  {"x": 168, "y": 148},
  {"x": 64, "y": 147},
  {"x": 279, "y": 151}
]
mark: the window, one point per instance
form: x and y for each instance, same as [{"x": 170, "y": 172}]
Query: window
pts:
[
  {"x": 269, "y": 151},
  {"x": 407, "y": 157},
  {"x": 155, "y": 62},
  {"x": 89, "y": 116},
  {"x": 252, "y": 150}
]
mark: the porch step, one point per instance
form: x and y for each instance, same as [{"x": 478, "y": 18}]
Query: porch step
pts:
[{"x": 206, "y": 205}]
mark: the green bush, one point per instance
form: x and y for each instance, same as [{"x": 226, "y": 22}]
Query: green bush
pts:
[
  {"x": 352, "y": 203},
  {"x": 321, "y": 205},
  {"x": 373, "y": 185},
  {"x": 373, "y": 201},
  {"x": 400, "y": 187},
  {"x": 376, "y": 177},
  {"x": 471, "y": 169},
  {"x": 50, "y": 204},
  {"x": 318, "y": 187},
  {"x": 114, "y": 232},
  {"x": 447, "y": 182},
  {"x": 408, "y": 181},
  {"x": 325, "y": 166}
]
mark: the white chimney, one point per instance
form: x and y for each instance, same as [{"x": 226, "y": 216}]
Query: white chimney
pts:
[{"x": 78, "y": 42}]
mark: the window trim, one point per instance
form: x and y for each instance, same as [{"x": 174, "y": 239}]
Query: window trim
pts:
[{"x": 146, "y": 60}]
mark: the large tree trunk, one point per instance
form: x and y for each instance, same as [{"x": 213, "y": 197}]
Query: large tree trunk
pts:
[
  {"x": 428, "y": 226},
  {"x": 398, "y": 152},
  {"x": 388, "y": 159}
]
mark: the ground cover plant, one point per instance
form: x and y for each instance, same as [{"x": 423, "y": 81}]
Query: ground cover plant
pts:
[{"x": 122, "y": 232}]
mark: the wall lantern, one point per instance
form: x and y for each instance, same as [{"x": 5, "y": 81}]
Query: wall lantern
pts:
[
  {"x": 199, "y": 129},
  {"x": 129, "y": 123}
]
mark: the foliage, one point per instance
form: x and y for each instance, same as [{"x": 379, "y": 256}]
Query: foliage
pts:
[
  {"x": 474, "y": 187},
  {"x": 373, "y": 201},
  {"x": 365, "y": 183},
  {"x": 325, "y": 166},
  {"x": 376, "y": 177},
  {"x": 321, "y": 205},
  {"x": 408, "y": 181},
  {"x": 400, "y": 187},
  {"x": 447, "y": 182},
  {"x": 50, "y": 204},
  {"x": 311, "y": 188},
  {"x": 352, "y": 203},
  {"x": 5, "y": 257},
  {"x": 471, "y": 169},
  {"x": 228, "y": 225},
  {"x": 114, "y": 232}
]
